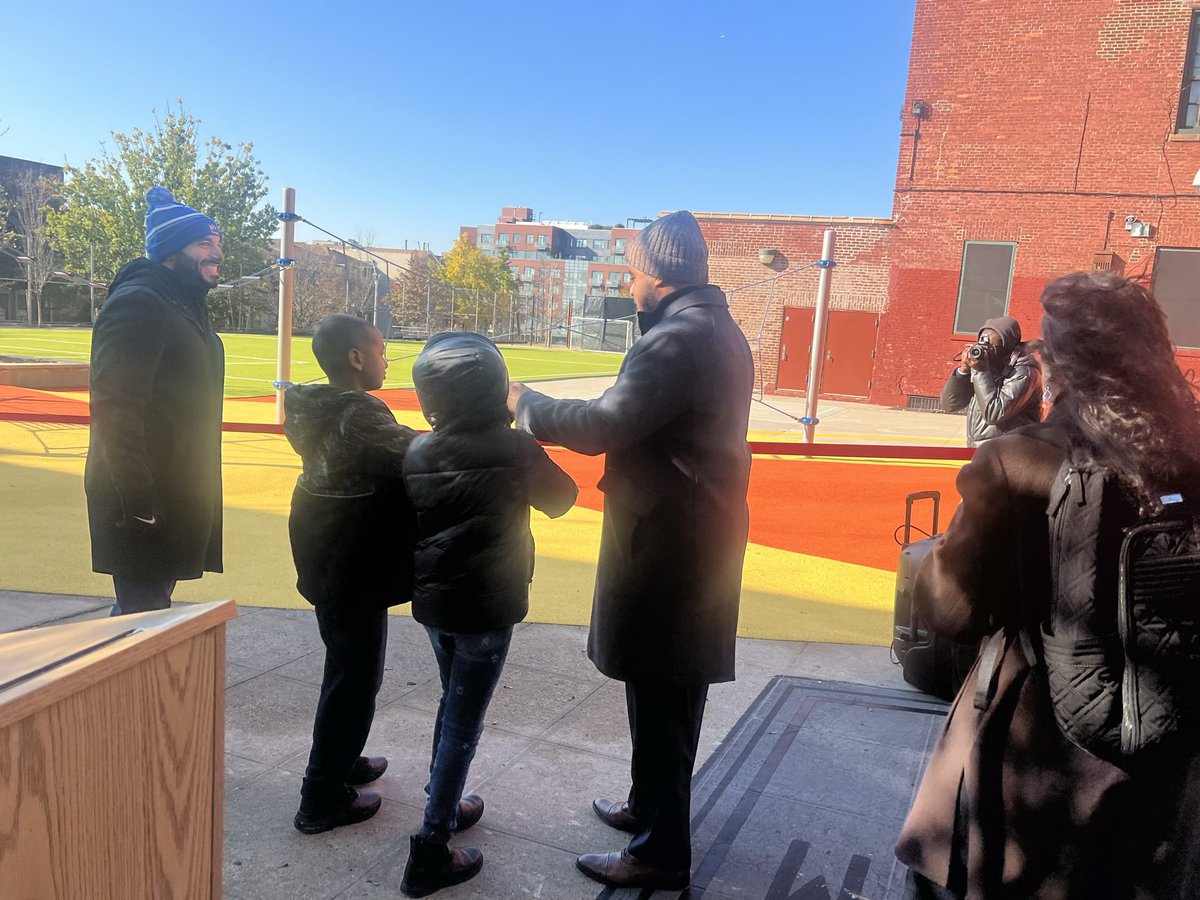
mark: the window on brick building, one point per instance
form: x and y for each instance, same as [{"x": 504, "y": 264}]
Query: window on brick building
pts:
[
  {"x": 1189, "y": 96},
  {"x": 485, "y": 238},
  {"x": 619, "y": 245},
  {"x": 541, "y": 241},
  {"x": 502, "y": 239},
  {"x": 984, "y": 285},
  {"x": 529, "y": 238},
  {"x": 1176, "y": 274}
]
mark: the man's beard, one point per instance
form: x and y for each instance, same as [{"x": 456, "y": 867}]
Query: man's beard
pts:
[{"x": 189, "y": 270}]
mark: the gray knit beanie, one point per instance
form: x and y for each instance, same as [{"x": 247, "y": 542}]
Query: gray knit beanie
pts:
[{"x": 673, "y": 249}]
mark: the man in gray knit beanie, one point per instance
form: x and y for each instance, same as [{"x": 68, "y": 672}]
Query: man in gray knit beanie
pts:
[
  {"x": 665, "y": 608},
  {"x": 673, "y": 249}
]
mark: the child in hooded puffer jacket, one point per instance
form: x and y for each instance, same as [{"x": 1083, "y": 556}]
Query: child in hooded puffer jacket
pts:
[{"x": 472, "y": 481}]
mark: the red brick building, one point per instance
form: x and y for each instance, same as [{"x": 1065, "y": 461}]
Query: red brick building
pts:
[
  {"x": 1032, "y": 133},
  {"x": 1036, "y": 139},
  {"x": 775, "y": 308}
]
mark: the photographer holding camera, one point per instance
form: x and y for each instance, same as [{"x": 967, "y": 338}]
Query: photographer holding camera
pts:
[{"x": 997, "y": 381}]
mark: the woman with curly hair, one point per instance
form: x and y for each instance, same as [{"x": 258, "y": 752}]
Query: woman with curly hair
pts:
[{"x": 1009, "y": 807}]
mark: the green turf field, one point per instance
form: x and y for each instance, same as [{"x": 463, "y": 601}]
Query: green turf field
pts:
[{"x": 250, "y": 358}]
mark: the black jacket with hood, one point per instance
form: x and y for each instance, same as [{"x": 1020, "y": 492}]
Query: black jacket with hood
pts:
[
  {"x": 153, "y": 476},
  {"x": 1000, "y": 398},
  {"x": 351, "y": 525},
  {"x": 472, "y": 481}
]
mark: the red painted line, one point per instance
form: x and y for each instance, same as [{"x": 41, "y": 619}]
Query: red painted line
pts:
[
  {"x": 868, "y": 451},
  {"x": 765, "y": 448}
]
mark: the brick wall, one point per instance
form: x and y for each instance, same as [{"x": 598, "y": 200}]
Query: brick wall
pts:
[
  {"x": 859, "y": 281},
  {"x": 1048, "y": 124}
]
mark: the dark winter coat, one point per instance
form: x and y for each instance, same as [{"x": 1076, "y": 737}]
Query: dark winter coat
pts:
[
  {"x": 472, "y": 481},
  {"x": 673, "y": 426},
  {"x": 1001, "y": 399},
  {"x": 351, "y": 526},
  {"x": 157, "y": 378},
  {"x": 1007, "y": 806}
]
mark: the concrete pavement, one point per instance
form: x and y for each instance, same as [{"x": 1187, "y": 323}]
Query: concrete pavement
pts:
[{"x": 807, "y": 764}]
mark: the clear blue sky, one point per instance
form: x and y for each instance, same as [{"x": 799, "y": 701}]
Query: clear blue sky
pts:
[{"x": 406, "y": 120}]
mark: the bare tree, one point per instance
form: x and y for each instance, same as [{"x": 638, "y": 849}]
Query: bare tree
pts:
[{"x": 31, "y": 197}]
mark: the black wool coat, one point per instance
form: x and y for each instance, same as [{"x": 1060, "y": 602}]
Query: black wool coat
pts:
[
  {"x": 157, "y": 378},
  {"x": 673, "y": 426},
  {"x": 351, "y": 526}
]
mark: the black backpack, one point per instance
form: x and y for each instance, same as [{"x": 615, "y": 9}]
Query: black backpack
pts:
[{"x": 1122, "y": 643}]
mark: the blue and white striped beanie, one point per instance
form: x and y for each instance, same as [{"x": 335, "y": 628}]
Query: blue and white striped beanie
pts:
[{"x": 171, "y": 226}]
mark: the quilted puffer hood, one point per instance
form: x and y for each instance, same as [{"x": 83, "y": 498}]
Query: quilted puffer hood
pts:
[{"x": 462, "y": 382}]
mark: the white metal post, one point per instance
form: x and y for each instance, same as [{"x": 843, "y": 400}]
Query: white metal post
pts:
[
  {"x": 816, "y": 361},
  {"x": 286, "y": 278}
]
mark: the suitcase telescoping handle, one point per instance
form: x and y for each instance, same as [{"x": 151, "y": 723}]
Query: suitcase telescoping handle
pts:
[{"x": 935, "y": 496}]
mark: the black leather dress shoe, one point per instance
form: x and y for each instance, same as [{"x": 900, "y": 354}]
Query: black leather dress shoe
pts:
[
  {"x": 319, "y": 814},
  {"x": 366, "y": 769},
  {"x": 470, "y": 811},
  {"x": 616, "y": 815},
  {"x": 621, "y": 869}
]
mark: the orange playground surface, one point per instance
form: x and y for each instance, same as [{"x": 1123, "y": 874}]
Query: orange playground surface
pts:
[{"x": 820, "y": 564}]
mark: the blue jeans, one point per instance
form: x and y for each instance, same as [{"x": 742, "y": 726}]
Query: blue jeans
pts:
[{"x": 469, "y": 666}]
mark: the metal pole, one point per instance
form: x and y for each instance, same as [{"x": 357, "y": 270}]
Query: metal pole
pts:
[
  {"x": 283, "y": 371},
  {"x": 375, "y": 296},
  {"x": 29, "y": 284},
  {"x": 816, "y": 361},
  {"x": 92, "y": 281}
]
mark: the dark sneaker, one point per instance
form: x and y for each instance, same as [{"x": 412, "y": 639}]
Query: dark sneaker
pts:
[
  {"x": 366, "y": 769},
  {"x": 319, "y": 814},
  {"x": 470, "y": 811},
  {"x": 432, "y": 866}
]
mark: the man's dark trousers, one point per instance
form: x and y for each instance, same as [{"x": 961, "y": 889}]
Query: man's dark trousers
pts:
[
  {"x": 355, "y": 643},
  {"x": 664, "y": 722}
]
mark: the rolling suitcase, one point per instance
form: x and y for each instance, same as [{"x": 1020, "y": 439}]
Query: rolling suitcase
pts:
[{"x": 929, "y": 662}]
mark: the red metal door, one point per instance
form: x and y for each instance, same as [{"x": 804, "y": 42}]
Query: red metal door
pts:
[
  {"x": 795, "y": 345},
  {"x": 849, "y": 351}
]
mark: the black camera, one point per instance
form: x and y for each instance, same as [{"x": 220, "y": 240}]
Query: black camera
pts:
[{"x": 982, "y": 354}]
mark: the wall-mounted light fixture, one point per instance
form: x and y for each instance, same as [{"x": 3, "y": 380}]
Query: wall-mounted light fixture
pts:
[
  {"x": 1196, "y": 180},
  {"x": 767, "y": 255},
  {"x": 1137, "y": 228},
  {"x": 920, "y": 109}
]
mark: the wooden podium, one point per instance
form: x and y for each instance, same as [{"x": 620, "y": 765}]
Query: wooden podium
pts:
[{"x": 112, "y": 757}]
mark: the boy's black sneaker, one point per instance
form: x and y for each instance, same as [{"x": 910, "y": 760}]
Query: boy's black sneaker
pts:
[
  {"x": 321, "y": 813},
  {"x": 432, "y": 866}
]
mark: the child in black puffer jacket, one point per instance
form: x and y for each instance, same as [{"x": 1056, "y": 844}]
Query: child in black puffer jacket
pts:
[
  {"x": 472, "y": 482},
  {"x": 352, "y": 532}
]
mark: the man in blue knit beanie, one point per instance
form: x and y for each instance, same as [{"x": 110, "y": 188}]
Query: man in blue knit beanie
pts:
[{"x": 153, "y": 477}]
